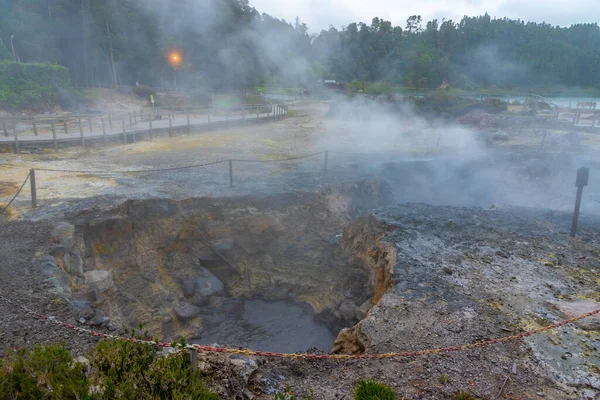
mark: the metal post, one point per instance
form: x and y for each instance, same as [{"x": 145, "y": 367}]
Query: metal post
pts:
[
  {"x": 209, "y": 115},
  {"x": 35, "y": 131},
  {"x": 142, "y": 115},
  {"x": 151, "y": 133},
  {"x": 170, "y": 126},
  {"x": 188, "y": 121},
  {"x": 129, "y": 114},
  {"x": 65, "y": 126},
  {"x": 33, "y": 188},
  {"x": 4, "y": 127},
  {"x": 582, "y": 181},
  {"x": 16, "y": 137},
  {"x": 90, "y": 123},
  {"x": 109, "y": 121},
  {"x": 230, "y": 173},
  {"x": 326, "y": 160},
  {"x": 103, "y": 131},
  {"x": 134, "y": 117},
  {"x": 124, "y": 134},
  {"x": 54, "y": 134},
  {"x": 193, "y": 358}
]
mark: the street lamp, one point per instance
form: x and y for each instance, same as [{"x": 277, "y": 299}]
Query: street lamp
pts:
[{"x": 175, "y": 59}]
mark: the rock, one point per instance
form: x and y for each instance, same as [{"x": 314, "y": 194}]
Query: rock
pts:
[
  {"x": 448, "y": 270},
  {"x": 247, "y": 366},
  {"x": 84, "y": 309},
  {"x": 347, "y": 310},
  {"x": 349, "y": 341},
  {"x": 74, "y": 264},
  {"x": 99, "y": 279},
  {"x": 248, "y": 394},
  {"x": 207, "y": 284},
  {"x": 189, "y": 285},
  {"x": 570, "y": 309},
  {"x": 186, "y": 311},
  {"x": 63, "y": 234},
  {"x": 99, "y": 319},
  {"x": 223, "y": 244},
  {"x": 83, "y": 361},
  {"x": 48, "y": 265}
]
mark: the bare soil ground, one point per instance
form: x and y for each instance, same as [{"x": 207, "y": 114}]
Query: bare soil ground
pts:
[{"x": 464, "y": 274}]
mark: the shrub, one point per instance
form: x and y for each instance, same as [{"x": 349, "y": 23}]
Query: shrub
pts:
[
  {"x": 42, "y": 373},
  {"x": 368, "y": 389},
  {"x": 144, "y": 92},
  {"x": 31, "y": 84},
  {"x": 132, "y": 370}
]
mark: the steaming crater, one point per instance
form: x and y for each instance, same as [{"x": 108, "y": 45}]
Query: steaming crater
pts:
[{"x": 223, "y": 269}]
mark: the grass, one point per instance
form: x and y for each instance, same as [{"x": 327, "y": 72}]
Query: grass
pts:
[{"x": 369, "y": 389}]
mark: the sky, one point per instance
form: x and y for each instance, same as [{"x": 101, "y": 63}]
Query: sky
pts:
[{"x": 321, "y": 14}]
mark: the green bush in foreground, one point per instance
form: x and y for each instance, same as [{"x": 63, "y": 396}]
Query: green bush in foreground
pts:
[
  {"x": 368, "y": 389},
  {"x": 121, "y": 370},
  {"x": 42, "y": 373}
]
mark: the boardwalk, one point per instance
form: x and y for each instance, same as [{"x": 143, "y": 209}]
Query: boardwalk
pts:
[{"x": 124, "y": 132}]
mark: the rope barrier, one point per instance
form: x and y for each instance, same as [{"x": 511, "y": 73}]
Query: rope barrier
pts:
[
  {"x": 246, "y": 352},
  {"x": 174, "y": 168},
  {"x": 16, "y": 194},
  {"x": 281, "y": 159}
]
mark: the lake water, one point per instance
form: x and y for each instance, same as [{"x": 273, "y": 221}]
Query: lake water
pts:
[{"x": 275, "y": 326}]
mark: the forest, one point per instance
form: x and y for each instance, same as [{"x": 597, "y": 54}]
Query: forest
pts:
[{"x": 228, "y": 44}]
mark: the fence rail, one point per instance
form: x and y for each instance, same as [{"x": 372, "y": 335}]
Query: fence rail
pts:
[{"x": 77, "y": 128}]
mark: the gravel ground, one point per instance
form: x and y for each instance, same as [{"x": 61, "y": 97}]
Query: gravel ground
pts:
[{"x": 23, "y": 283}]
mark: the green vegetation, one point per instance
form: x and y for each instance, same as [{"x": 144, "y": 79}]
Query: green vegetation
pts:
[
  {"x": 42, "y": 373},
  {"x": 229, "y": 44},
  {"x": 368, "y": 389},
  {"x": 463, "y": 396},
  {"x": 441, "y": 103},
  {"x": 120, "y": 370},
  {"x": 30, "y": 85},
  {"x": 444, "y": 379}
]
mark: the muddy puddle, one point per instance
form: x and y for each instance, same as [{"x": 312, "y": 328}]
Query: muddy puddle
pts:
[{"x": 276, "y": 326}]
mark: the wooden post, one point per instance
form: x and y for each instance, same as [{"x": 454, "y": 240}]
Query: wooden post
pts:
[
  {"x": 230, "y": 173},
  {"x": 170, "y": 126},
  {"x": 124, "y": 133},
  {"x": 326, "y": 160},
  {"x": 151, "y": 133},
  {"x": 209, "y": 110},
  {"x": 575, "y": 118},
  {"x": 4, "y": 127},
  {"x": 90, "y": 122},
  {"x": 129, "y": 114},
  {"x": 16, "y": 136},
  {"x": 35, "y": 131},
  {"x": 142, "y": 115},
  {"x": 257, "y": 113},
  {"x": 578, "y": 117},
  {"x": 54, "y": 134},
  {"x": 81, "y": 133},
  {"x": 33, "y": 188},
  {"x": 188, "y": 121},
  {"x": 582, "y": 180},
  {"x": 109, "y": 121},
  {"x": 65, "y": 126},
  {"x": 103, "y": 131},
  {"x": 134, "y": 117}
]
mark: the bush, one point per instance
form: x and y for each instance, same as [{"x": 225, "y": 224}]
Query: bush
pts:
[
  {"x": 368, "y": 389},
  {"x": 42, "y": 373},
  {"x": 123, "y": 370},
  {"x": 144, "y": 92},
  {"x": 131, "y": 370},
  {"x": 31, "y": 84}
]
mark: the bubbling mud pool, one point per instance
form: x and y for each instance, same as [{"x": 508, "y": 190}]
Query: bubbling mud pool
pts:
[{"x": 276, "y": 326}]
